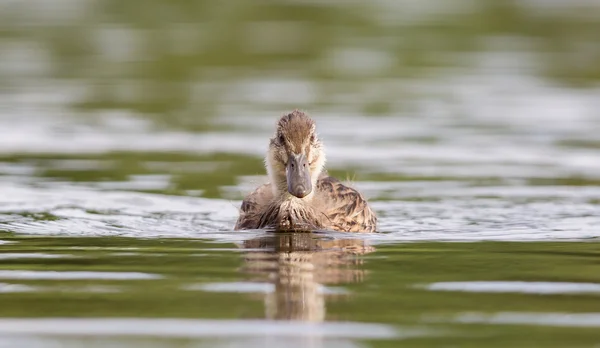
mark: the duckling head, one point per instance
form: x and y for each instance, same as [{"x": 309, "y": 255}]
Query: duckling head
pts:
[{"x": 296, "y": 157}]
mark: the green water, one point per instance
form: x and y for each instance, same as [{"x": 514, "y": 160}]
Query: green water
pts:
[
  {"x": 131, "y": 130},
  {"x": 384, "y": 285}
]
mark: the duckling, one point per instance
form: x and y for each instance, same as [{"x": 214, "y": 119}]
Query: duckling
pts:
[{"x": 300, "y": 194}]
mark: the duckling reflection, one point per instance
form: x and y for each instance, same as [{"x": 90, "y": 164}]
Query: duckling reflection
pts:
[{"x": 300, "y": 265}]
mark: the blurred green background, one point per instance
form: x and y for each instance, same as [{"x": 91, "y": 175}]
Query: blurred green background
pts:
[
  {"x": 114, "y": 84},
  {"x": 184, "y": 62}
]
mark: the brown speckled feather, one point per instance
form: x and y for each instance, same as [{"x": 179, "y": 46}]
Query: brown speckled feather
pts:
[
  {"x": 253, "y": 208},
  {"x": 336, "y": 207},
  {"x": 345, "y": 208}
]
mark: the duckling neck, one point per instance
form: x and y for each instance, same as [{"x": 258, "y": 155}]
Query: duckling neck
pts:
[{"x": 288, "y": 197}]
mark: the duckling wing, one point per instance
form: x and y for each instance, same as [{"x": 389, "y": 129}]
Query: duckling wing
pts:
[
  {"x": 253, "y": 207},
  {"x": 345, "y": 208}
]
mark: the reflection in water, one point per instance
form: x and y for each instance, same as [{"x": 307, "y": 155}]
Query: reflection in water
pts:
[{"x": 299, "y": 265}]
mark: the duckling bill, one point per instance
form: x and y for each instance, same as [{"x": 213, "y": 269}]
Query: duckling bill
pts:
[{"x": 300, "y": 194}]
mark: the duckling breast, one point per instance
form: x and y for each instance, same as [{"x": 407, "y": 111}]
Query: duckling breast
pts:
[{"x": 290, "y": 216}]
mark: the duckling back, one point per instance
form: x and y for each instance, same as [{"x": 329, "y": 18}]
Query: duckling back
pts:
[{"x": 345, "y": 209}]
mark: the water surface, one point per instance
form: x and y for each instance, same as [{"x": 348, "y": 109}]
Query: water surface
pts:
[{"x": 130, "y": 131}]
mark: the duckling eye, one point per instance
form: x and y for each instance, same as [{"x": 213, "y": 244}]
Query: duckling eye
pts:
[
  {"x": 281, "y": 139},
  {"x": 312, "y": 138}
]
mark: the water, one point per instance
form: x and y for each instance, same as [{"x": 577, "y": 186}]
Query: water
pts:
[{"x": 129, "y": 132}]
